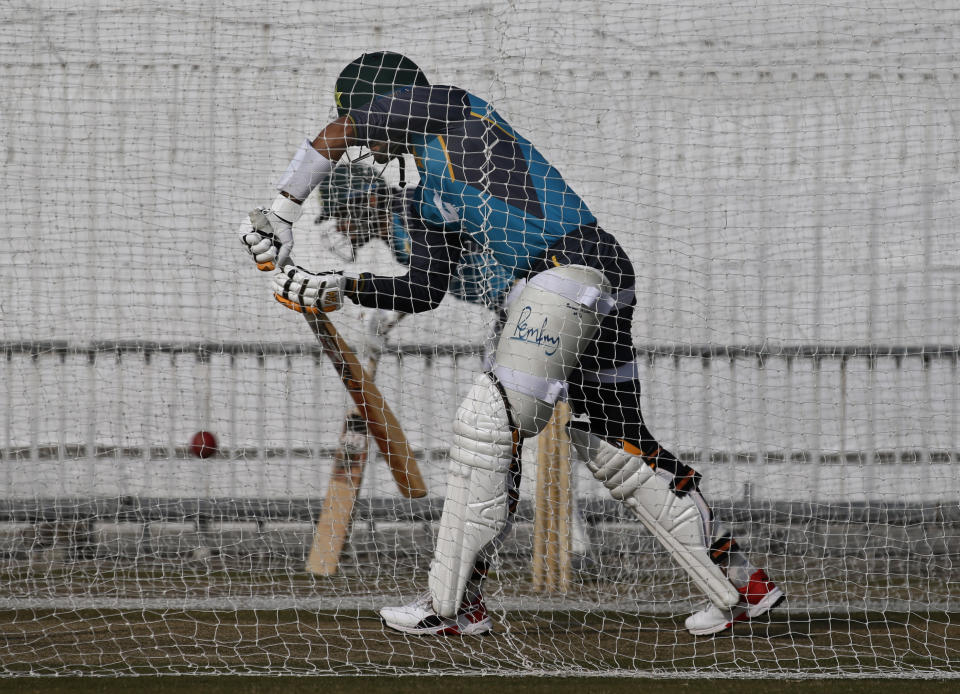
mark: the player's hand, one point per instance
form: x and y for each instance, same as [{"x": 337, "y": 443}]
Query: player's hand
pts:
[
  {"x": 269, "y": 240},
  {"x": 262, "y": 246},
  {"x": 311, "y": 292},
  {"x": 377, "y": 323}
]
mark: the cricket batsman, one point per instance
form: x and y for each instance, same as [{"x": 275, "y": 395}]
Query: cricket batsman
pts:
[
  {"x": 360, "y": 207},
  {"x": 567, "y": 334}
]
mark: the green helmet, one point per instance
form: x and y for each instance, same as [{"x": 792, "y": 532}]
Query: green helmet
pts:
[
  {"x": 372, "y": 75},
  {"x": 354, "y": 193}
]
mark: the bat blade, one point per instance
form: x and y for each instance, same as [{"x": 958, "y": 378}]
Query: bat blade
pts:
[
  {"x": 382, "y": 424},
  {"x": 333, "y": 526}
]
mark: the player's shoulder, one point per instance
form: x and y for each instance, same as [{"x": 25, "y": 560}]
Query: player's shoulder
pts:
[
  {"x": 483, "y": 111},
  {"x": 430, "y": 106}
]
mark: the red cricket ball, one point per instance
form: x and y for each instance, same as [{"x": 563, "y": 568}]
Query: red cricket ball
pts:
[{"x": 203, "y": 444}]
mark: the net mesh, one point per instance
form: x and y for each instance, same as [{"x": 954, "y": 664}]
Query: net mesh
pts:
[{"x": 783, "y": 177}]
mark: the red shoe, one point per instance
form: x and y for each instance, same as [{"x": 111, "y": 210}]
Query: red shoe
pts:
[
  {"x": 758, "y": 597},
  {"x": 761, "y": 594}
]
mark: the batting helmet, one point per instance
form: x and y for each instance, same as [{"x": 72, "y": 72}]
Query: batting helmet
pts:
[{"x": 354, "y": 193}]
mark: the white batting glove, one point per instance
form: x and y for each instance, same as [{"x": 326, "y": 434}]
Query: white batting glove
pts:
[
  {"x": 309, "y": 292},
  {"x": 270, "y": 240},
  {"x": 261, "y": 245}
]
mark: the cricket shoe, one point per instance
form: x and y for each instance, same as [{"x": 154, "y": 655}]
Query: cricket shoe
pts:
[
  {"x": 419, "y": 617},
  {"x": 757, "y": 598}
]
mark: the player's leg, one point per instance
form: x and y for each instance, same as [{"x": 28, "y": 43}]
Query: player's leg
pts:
[
  {"x": 758, "y": 594},
  {"x": 665, "y": 494},
  {"x": 480, "y": 497},
  {"x": 549, "y": 323}
]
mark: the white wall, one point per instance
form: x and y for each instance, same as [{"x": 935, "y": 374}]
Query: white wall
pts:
[{"x": 779, "y": 172}]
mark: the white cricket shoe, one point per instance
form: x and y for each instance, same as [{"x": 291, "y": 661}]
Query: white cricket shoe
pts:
[
  {"x": 419, "y": 617},
  {"x": 758, "y": 597}
]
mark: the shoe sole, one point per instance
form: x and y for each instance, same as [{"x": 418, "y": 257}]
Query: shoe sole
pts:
[
  {"x": 771, "y": 600},
  {"x": 476, "y": 628},
  {"x": 469, "y": 629},
  {"x": 716, "y": 629}
]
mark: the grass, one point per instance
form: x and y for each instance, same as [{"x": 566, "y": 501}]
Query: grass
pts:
[
  {"x": 301, "y": 642},
  {"x": 463, "y": 685}
]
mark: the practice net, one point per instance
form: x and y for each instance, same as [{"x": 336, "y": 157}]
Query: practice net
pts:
[{"x": 784, "y": 177}]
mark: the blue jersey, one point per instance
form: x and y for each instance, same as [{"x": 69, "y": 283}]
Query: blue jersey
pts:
[{"x": 483, "y": 187}]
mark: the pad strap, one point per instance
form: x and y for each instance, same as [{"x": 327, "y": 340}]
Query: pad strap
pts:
[
  {"x": 286, "y": 209},
  {"x": 548, "y": 390},
  {"x": 587, "y": 295}
]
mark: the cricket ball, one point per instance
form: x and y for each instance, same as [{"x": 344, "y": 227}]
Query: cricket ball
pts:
[{"x": 203, "y": 444}]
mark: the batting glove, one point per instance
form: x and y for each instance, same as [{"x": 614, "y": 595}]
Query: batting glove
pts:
[
  {"x": 270, "y": 240},
  {"x": 308, "y": 292}
]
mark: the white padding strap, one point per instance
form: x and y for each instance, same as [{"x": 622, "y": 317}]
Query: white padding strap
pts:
[
  {"x": 623, "y": 298},
  {"x": 545, "y": 389},
  {"x": 514, "y": 291},
  {"x": 305, "y": 172},
  {"x": 589, "y": 296}
]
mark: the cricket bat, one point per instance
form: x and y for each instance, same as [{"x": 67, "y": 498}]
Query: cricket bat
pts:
[
  {"x": 381, "y": 422},
  {"x": 333, "y": 526}
]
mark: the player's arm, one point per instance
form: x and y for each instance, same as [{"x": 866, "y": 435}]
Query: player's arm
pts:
[
  {"x": 395, "y": 118},
  {"x": 269, "y": 238},
  {"x": 434, "y": 254},
  {"x": 333, "y": 140},
  {"x": 385, "y": 125},
  {"x": 434, "y": 258}
]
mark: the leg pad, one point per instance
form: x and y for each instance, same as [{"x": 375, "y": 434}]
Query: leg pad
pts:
[
  {"x": 673, "y": 518},
  {"x": 476, "y": 508}
]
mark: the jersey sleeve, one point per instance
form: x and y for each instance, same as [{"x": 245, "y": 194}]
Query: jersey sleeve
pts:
[
  {"x": 408, "y": 112},
  {"x": 434, "y": 254}
]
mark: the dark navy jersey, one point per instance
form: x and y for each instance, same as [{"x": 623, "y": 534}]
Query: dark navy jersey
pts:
[
  {"x": 482, "y": 186},
  {"x": 477, "y": 279}
]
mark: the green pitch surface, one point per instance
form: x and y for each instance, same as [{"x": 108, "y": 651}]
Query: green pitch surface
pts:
[
  {"x": 288, "y": 642},
  {"x": 464, "y": 685}
]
